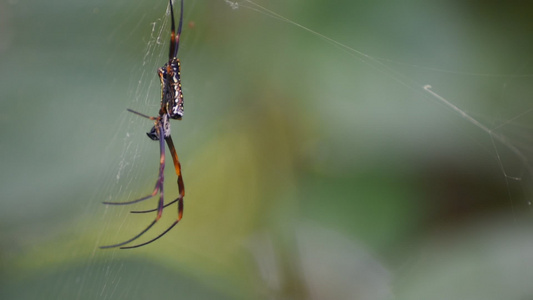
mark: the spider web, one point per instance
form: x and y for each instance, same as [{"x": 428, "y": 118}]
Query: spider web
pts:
[
  {"x": 453, "y": 123},
  {"x": 364, "y": 151},
  {"x": 462, "y": 120}
]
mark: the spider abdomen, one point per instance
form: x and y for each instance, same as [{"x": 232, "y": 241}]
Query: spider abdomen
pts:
[{"x": 171, "y": 93}]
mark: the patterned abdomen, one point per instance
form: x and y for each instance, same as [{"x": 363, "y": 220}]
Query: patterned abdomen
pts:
[{"x": 171, "y": 94}]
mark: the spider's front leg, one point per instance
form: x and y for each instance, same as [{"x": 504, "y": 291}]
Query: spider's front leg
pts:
[
  {"x": 177, "y": 167},
  {"x": 153, "y": 134},
  {"x": 181, "y": 188},
  {"x": 158, "y": 189}
]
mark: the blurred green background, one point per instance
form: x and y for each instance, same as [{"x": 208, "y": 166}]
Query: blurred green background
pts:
[{"x": 312, "y": 170}]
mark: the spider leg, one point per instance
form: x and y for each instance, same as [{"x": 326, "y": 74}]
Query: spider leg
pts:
[
  {"x": 158, "y": 183},
  {"x": 155, "y": 209},
  {"x": 181, "y": 188},
  {"x": 180, "y": 210},
  {"x": 141, "y": 114},
  {"x": 177, "y": 166},
  {"x": 159, "y": 187},
  {"x": 132, "y": 239},
  {"x": 175, "y": 38}
]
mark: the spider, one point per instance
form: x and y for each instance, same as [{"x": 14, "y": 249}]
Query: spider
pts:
[{"x": 171, "y": 108}]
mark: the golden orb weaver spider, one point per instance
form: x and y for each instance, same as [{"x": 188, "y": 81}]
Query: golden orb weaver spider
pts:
[{"x": 171, "y": 108}]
